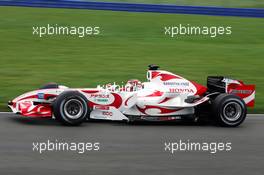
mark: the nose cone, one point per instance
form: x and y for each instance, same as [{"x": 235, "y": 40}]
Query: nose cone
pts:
[{"x": 12, "y": 106}]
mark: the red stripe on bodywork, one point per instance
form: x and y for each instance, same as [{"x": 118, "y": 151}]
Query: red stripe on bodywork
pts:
[
  {"x": 90, "y": 91},
  {"x": 162, "y": 110},
  {"x": 154, "y": 74},
  {"x": 200, "y": 88},
  {"x": 40, "y": 110},
  {"x": 28, "y": 97},
  {"x": 155, "y": 94},
  {"x": 166, "y": 77},
  {"x": 127, "y": 100},
  {"x": 164, "y": 100}
]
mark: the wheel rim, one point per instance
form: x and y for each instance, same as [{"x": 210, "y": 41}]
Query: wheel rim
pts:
[
  {"x": 232, "y": 111},
  {"x": 73, "y": 108}
]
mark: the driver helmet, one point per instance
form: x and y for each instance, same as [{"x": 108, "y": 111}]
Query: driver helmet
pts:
[{"x": 133, "y": 85}]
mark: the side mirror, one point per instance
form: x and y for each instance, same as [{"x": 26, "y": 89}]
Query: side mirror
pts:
[{"x": 149, "y": 75}]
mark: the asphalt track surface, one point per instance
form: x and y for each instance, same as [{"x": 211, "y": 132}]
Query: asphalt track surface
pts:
[
  {"x": 129, "y": 148},
  {"x": 133, "y": 7}
]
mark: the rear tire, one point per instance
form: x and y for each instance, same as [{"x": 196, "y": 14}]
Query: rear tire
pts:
[
  {"x": 70, "y": 108},
  {"x": 229, "y": 110}
]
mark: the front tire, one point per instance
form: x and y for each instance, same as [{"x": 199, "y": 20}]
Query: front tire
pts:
[
  {"x": 70, "y": 108},
  {"x": 229, "y": 110}
]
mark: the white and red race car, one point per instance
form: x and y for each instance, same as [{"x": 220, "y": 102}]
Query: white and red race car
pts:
[{"x": 165, "y": 96}]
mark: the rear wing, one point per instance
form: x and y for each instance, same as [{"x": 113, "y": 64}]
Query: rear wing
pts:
[
  {"x": 232, "y": 86},
  {"x": 246, "y": 92}
]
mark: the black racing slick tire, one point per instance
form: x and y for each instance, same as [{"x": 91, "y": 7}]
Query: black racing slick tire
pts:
[
  {"x": 229, "y": 110},
  {"x": 70, "y": 108}
]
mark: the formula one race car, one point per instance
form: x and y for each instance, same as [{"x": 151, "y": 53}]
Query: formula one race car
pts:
[{"x": 165, "y": 96}]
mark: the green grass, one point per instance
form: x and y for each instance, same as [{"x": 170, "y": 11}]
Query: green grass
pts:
[
  {"x": 219, "y": 3},
  {"x": 127, "y": 44}
]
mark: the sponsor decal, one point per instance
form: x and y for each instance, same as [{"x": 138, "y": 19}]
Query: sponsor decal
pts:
[
  {"x": 148, "y": 118},
  {"x": 100, "y": 96},
  {"x": 116, "y": 103},
  {"x": 107, "y": 113},
  {"x": 102, "y": 100},
  {"x": 40, "y": 95},
  {"x": 235, "y": 91},
  {"x": 101, "y": 107},
  {"x": 180, "y": 90},
  {"x": 176, "y": 83}
]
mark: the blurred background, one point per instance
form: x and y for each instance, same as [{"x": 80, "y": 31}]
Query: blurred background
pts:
[
  {"x": 217, "y": 3},
  {"x": 128, "y": 42}
]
